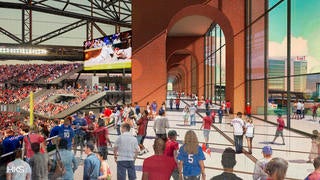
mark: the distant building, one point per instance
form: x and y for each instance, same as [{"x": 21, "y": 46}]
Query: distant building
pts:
[{"x": 277, "y": 67}]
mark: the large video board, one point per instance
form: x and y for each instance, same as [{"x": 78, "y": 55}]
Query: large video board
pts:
[{"x": 109, "y": 52}]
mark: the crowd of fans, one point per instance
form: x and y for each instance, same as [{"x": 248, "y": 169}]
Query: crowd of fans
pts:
[
  {"x": 14, "y": 95},
  {"x": 29, "y": 73},
  {"x": 90, "y": 133},
  {"x": 43, "y": 106}
]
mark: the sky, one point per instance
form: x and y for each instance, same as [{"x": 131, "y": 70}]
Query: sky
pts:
[{"x": 305, "y": 28}]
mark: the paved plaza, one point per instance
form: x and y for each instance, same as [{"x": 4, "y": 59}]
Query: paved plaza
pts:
[{"x": 296, "y": 150}]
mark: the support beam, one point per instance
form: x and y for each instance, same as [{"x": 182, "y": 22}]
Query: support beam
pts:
[
  {"x": 63, "y": 13},
  {"x": 10, "y": 35},
  {"x": 27, "y": 23},
  {"x": 58, "y": 32}
]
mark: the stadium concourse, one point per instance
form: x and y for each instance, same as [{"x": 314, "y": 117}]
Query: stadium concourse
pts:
[{"x": 295, "y": 151}]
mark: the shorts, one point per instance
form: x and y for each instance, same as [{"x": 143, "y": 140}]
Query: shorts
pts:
[
  {"x": 206, "y": 133},
  {"x": 298, "y": 111},
  {"x": 279, "y": 133},
  {"x": 192, "y": 177},
  {"x": 139, "y": 138},
  {"x": 78, "y": 140}
]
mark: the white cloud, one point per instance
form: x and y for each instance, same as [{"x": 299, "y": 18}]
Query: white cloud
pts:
[
  {"x": 313, "y": 65},
  {"x": 299, "y": 47}
]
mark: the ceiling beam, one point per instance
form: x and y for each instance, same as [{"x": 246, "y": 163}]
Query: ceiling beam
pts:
[{"x": 63, "y": 13}]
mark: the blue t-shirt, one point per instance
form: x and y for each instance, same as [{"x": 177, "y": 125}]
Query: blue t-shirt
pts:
[
  {"x": 11, "y": 143},
  {"x": 137, "y": 109},
  {"x": 54, "y": 131},
  {"x": 191, "y": 166},
  {"x": 78, "y": 122},
  {"x": 220, "y": 112},
  {"x": 66, "y": 133}
]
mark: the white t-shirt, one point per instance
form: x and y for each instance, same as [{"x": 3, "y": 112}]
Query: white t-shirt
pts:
[
  {"x": 249, "y": 130},
  {"x": 19, "y": 169},
  {"x": 299, "y": 106},
  {"x": 237, "y": 124}
]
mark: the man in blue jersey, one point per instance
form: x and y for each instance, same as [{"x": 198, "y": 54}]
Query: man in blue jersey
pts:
[
  {"x": 79, "y": 126},
  {"x": 67, "y": 132}
]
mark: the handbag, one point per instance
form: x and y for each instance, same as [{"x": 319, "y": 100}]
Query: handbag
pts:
[{"x": 59, "y": 169}]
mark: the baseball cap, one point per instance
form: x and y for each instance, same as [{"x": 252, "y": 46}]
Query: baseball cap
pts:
[
  {"x": 172, "y": 133},
  {"x": 267, "y": 150}
]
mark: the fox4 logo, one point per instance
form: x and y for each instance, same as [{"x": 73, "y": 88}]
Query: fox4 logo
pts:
[{"x": 15, "y": 169}]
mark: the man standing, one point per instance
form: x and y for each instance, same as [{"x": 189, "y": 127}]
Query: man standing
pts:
[
  {"x": 18, "y": 169},
  {"x": 299, "y": 110},
  {"x": 248, "y": 109},
  {"x": 66, "y": 132},
  {"x": 171, "y": 103},
  {"x": 238, "y": 129},
  {"x": 220, "y": 114},
  {"x": 158, "y": 166},
  {"x": 192, "y": 111},
  {"x": 39, "y": 163},
  {"x": 279, "y": 131},
  {"x": 102, "y": 136},
  {"x": 177, "y": 103},
  {"x": 126, "y": 149},
  {"x": 160, "y": 125},
  {"x": 79, "y": 125},
  {"x": 171, "y": 150},
  {"x": 137, "y": 108},
  {"x": 91, "y": 168},
  {"x": 154, "y": 108},
  {"x": 260, "y": 165},
  {"x": 228, "y": 107},
  {"x": 206, "y": 125}
]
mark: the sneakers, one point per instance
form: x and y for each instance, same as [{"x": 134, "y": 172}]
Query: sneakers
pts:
[{"x": 143, "y": 151}]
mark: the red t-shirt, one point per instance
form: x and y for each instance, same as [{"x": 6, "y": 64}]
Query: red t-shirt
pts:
[
  {"x": 158, "y": 167},
  {"x": 100, "y": 133},
  {"x": 280, "y": 125},
  {"x": 207, "y": 122},
  {"x": 248, "y": 110},
  {"x": 107, "y": 112},
  {"x": 228, "y": 104},
  {"x": 171, "y": 146},
  {"x": 142, "y": 123},
  {"x": 213, "y": 114},
  {"x": 34, "y": 138},
  {"x": 314, "y": 176}
]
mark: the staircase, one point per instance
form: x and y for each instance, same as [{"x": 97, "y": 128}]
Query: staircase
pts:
[{"x": 76, "y": 107}]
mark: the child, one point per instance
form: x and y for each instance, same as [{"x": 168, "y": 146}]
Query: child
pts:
[
  {"x": 314, "y": 146},
  {"x": 249, "y": 133},
  {"x": 186, "y": 115},
  {"x": 220, "y": 114},
  {"x": 279, "y": 131}
]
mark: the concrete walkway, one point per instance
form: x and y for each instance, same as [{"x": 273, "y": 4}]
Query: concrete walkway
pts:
[{"x": 296, "y": 150}]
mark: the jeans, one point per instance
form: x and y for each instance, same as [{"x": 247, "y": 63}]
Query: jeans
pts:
[
  {"x": 122, "y": 167},
  {"x": 192, "y": 119},
  {"x": 118, "y": 130},
  {"x": 238, "y": 141}
]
